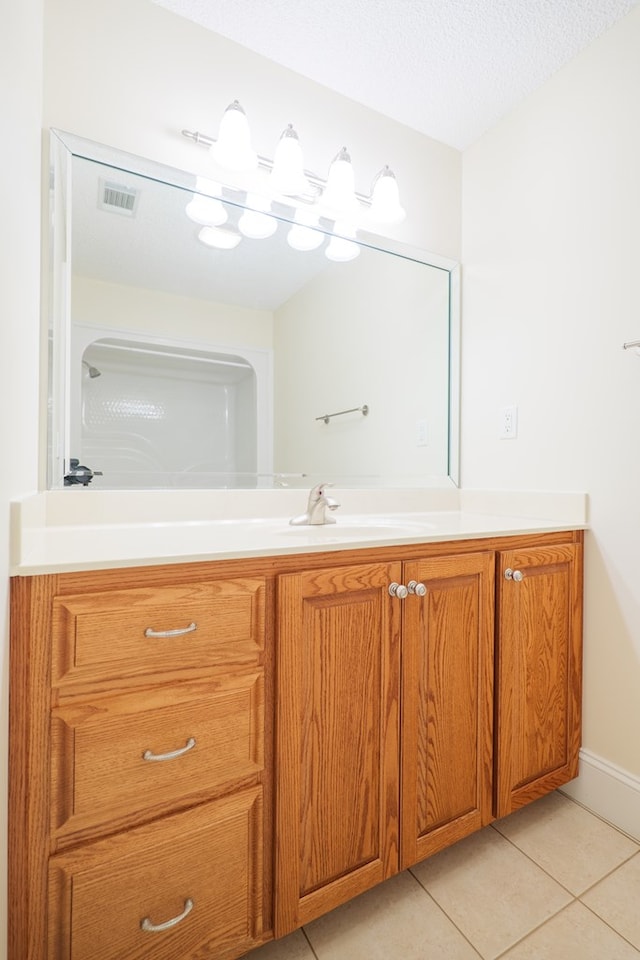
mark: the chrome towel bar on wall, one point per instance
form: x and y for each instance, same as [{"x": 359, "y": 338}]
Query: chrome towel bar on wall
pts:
[{"x": 364, "y": 410}]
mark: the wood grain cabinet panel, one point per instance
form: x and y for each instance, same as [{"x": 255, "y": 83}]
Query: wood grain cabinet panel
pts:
[
  {"x": 447, "y": 703},
  {"x": 539, "y": 672},
  {"x": 136, "y": 752},
  {"x": 101, "y": 894},
  {"x": 337, "y": 717},
  {"x": 105, "y": 636}
]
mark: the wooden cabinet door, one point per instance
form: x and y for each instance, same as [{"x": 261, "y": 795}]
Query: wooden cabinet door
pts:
[
  {"x": 337, "y": 732},
  {"x": 447, "y": 703},
  {"x": 539, "y": 669}
]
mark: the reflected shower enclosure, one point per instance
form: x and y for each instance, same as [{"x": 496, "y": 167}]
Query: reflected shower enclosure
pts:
[{"x": 154, "y": 412}]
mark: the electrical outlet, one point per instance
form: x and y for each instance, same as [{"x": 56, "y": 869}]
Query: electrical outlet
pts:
[
  {"x": 421, "y": 433},
  {"x": 509, "y": 423}
]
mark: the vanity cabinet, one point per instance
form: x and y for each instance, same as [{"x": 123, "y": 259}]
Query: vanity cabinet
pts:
[
  {"x": 138, "y": 718},
  {"x": 539, "y": 671},
  {"x": 205, "y": 755},
  {"x": 384, "y": 721}
]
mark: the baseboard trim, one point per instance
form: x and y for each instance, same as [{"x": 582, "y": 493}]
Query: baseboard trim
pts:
[{"x": 608, "y": 791}]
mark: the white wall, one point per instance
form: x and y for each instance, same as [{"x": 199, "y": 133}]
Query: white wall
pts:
[
  {"x": 550, "y": 250},
  {"x": 20, "y": 110}
]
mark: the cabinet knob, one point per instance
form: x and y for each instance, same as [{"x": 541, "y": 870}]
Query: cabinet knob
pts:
[
  {"x": 398, "y": 590},
  {"x": 516, "y": 575},
  {"x": 416, "y": 588}
]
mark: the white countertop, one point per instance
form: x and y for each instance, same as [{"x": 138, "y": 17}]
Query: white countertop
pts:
[{"x": 45, "y": 538}]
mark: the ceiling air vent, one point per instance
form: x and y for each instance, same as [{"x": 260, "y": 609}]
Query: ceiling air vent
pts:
[{"x": 118, "y": 198}]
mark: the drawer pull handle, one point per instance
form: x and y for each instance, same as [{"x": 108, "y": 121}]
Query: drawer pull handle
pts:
[
  {"x": 150, "y": 927},
  {"x": 516, "y": 575},
  {"x": 180, "y": 632},
  {"x": 189, "y": 745}
]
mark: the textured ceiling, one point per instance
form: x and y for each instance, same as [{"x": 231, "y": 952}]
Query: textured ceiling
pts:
[{"x": 447, "y": 68}]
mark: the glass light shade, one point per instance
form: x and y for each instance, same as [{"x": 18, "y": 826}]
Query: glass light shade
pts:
[
  {"x": 287, "y": 174},
  {"x": 233, "y": 148},
  {"x": 339, "y": 192},
  {"x": 221, "y": 239},
  {"x": 340, "y": 249},
  {"x": 206, "y": 210},
  {"x": 385, "y": 198},
  {"x": 301, "y": 236},
  {"x": 256, "y": 223}
]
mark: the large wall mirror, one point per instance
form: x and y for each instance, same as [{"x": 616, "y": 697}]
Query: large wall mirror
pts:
[{"x": 177, "y": 363}]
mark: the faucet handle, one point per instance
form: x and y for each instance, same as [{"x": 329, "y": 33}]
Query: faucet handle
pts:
[{"x": 318, "y": 490}]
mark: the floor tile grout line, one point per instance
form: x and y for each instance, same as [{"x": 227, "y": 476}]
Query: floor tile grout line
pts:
[
  {"x": 610, "y": 925},
  {"x": 597, "y": 816},
  {"x": 306, "y": 936},
  {"x": 555, "y": 879},
  {"x": 607, "y": 875},
  {"x": 535, "y": 929},
  {"x": 444, "y": 912}
]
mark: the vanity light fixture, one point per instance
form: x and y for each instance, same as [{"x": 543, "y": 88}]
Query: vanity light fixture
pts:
[
  {"x": 339, "y": 194},
  {"x": 334, "y": 197},
  {"x": 233, "y": 148},
  {"x": 287, "y": 174},
  {"x": 385, "y": 198}
]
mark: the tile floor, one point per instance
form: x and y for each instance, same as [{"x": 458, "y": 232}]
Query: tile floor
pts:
[{"x": 550, "y": 882}]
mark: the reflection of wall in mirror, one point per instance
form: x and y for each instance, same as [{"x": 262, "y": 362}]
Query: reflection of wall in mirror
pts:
[{"x": 386, "y": 347}]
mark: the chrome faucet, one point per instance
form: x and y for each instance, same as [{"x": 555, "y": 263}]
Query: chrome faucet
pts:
[{"x": 317, "y": 508}]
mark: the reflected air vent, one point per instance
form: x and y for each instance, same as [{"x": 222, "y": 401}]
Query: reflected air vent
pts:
[{"x": 118, "y": 198}]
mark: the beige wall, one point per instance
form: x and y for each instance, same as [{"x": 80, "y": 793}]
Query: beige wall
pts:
[
  {"x": 387, "y": 347},
  {"x": 20, "y": 109},
  {"x": 550, "y": 251},
  {"x": 152, "y": 312}
]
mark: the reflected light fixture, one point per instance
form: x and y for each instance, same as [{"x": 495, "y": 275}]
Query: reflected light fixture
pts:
[
  {"x": 207, "y": 210},
  {"x": 233, "y": 148},
  {"x": 340, "y": 249},
  {"x": 256, "y": 223},
  {"x": 219, "y": 238},
  {"x": 301, "y": 236}
]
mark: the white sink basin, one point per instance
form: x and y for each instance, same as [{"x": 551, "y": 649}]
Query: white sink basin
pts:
[{"x": 360, "y": 528}]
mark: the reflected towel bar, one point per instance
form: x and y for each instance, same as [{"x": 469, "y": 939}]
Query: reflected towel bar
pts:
[{"x": 364, "y": 410}]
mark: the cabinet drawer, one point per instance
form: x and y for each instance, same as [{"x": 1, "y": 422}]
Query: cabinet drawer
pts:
[
  {"x": 196, "y": 738},
  {"x": 127, "y": 633},
  {"x": 102, "y": 894}
]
